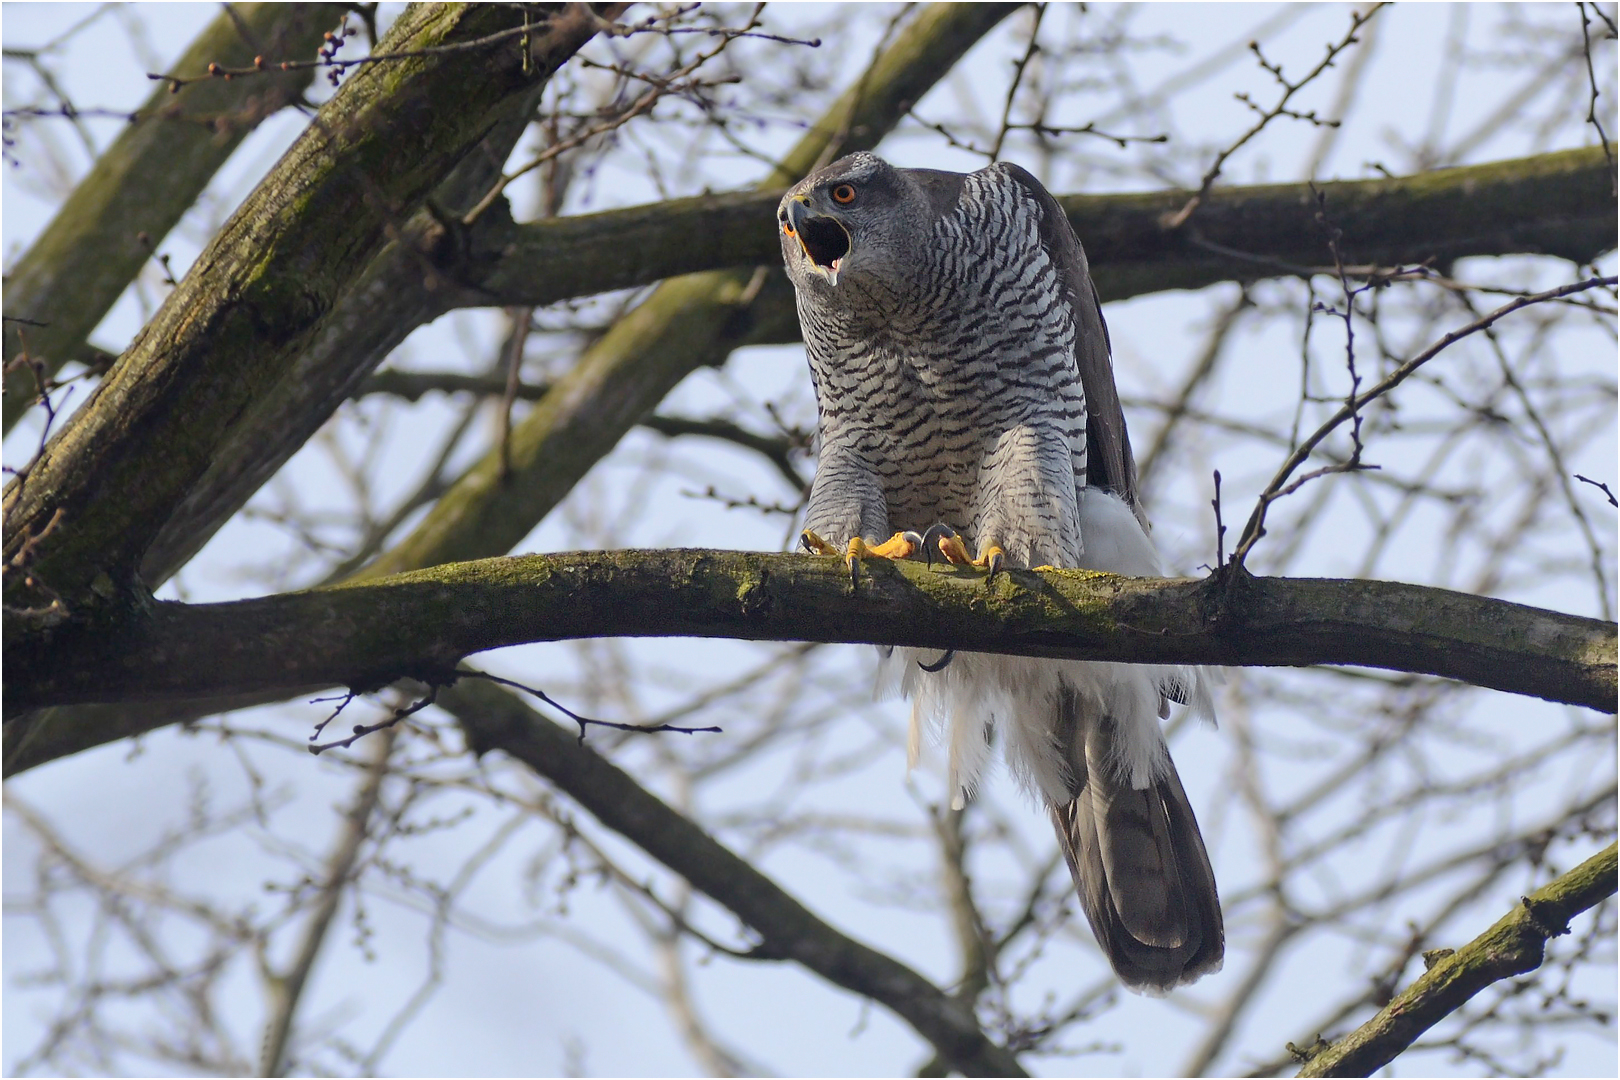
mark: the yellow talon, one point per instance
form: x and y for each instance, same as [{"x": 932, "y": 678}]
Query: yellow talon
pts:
[
  {"x": 951, "y": 547},
  {"x": 852, "y": 558},
  {"x": 901, "y": 545},
  {"x": 815, "y": 544},
  {"x": 991, "y": 557}
]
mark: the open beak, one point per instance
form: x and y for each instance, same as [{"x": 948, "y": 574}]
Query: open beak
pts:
[{"x": 824, "y": 240}]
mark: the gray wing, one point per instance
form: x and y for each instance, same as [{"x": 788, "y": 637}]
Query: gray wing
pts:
[{"x": 1109, "y": 463}]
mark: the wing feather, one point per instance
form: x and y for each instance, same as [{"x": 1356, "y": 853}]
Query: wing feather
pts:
[{"x": 1109, "y": 462}]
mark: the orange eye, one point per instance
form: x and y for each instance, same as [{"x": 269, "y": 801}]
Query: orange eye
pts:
[{"x": 844, "y": 193}]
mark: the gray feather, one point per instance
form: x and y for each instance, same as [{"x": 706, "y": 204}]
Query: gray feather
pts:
[{"x": 1138, "y": 863}]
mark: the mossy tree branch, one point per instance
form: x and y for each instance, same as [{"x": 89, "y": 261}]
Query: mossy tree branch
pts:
[
  {"x": 1553, "y": 204},
  {"x": 145, "y": 181},
  {"x": 404, "y": 287},
  {"x": 421, "y": 624},
  {"x": 494, "y": 719},
  {"x": 1514, "y": 946},
  {"x": 255, "y": 297}
]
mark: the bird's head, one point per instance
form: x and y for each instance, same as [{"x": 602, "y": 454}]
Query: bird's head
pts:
[{"x": 848, "y": 222}]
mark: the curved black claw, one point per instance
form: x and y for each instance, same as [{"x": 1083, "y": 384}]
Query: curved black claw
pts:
[
  {"x": 930, "y": 540},
  {"x": 815, "y": 545},
  {"x": 994, "y": 559},
  {"x": 941, "y": 664}
]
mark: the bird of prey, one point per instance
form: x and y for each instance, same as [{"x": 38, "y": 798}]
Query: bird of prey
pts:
[{"x": 967, "y": 412}]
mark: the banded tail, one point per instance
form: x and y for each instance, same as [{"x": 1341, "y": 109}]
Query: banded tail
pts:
[{"x": 1139, "y": 865}]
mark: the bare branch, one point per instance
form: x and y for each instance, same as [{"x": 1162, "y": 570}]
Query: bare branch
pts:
[
  {"x": 1515, "y": 945},
  {"x": 494, "y": 720},
  {"x": 1280, "y": 486}
]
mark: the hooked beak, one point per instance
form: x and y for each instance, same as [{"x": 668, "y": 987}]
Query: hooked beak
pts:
[{"x": 824, "y": 240}]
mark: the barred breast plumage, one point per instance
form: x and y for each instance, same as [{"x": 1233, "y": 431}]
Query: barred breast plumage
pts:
[{"x": 964, "y": 387}]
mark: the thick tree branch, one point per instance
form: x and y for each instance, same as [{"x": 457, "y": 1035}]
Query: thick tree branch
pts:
[
  {"x": 494, "y": 719},
  {"x": 1552, "y": 204},
  {"x": 421, "y": 624},
  {"x": 404, "y": 287},
  {"x": 1514, "y": 946},
  {"x": 145, "y": 181},
  {"x": 251, "y": 303}
]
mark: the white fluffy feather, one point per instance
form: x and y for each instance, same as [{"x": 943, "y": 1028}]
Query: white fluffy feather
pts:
[{"x": 977, "y": 693}]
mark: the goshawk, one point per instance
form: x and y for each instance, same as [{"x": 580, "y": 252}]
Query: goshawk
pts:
[{"x": 968, "y": 412}]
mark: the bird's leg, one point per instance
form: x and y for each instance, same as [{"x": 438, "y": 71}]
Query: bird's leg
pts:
[
  {"x": 947, "y": 542},
  {"x": 902, "y": 545}
]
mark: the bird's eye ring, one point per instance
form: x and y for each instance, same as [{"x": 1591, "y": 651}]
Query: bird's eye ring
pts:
[{"x": 844, "y": 193}]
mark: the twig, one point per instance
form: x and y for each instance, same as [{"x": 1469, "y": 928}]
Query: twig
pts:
[
  {"x": 260, "y": 65},
  {"x": 72, "y": 112},
  {"x": 1266, "y": 116},
  {"x": 360, "y": 731},
  {"x": 650, "y": 25},
  {"x": 1019, "y": 66},
  {"x": 1090, "y": 128},
  {"x": 750, "y": 503},
  {"x": 583, "y": 721},
  {"x": 19, "y": 562},
  {"x": 1601, "y": 487},
  {"x": 43, "y": 385},
  {"x": 1334, "y": 234},
  {"x": 412, "y": 385},
  {"x": 144, "y": 239},
  {"x": 522, "y": 319},
  {"x": 1592, "y": 102},
  {"x": 1255, "y": 528},
  {"x": 286, "y": 988}
]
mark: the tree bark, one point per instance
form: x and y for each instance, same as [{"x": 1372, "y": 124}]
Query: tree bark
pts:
[{"x": 146, "y": 180}]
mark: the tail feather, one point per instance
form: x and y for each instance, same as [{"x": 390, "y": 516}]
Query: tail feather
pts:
[{"x": 1141, "y": 870}]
